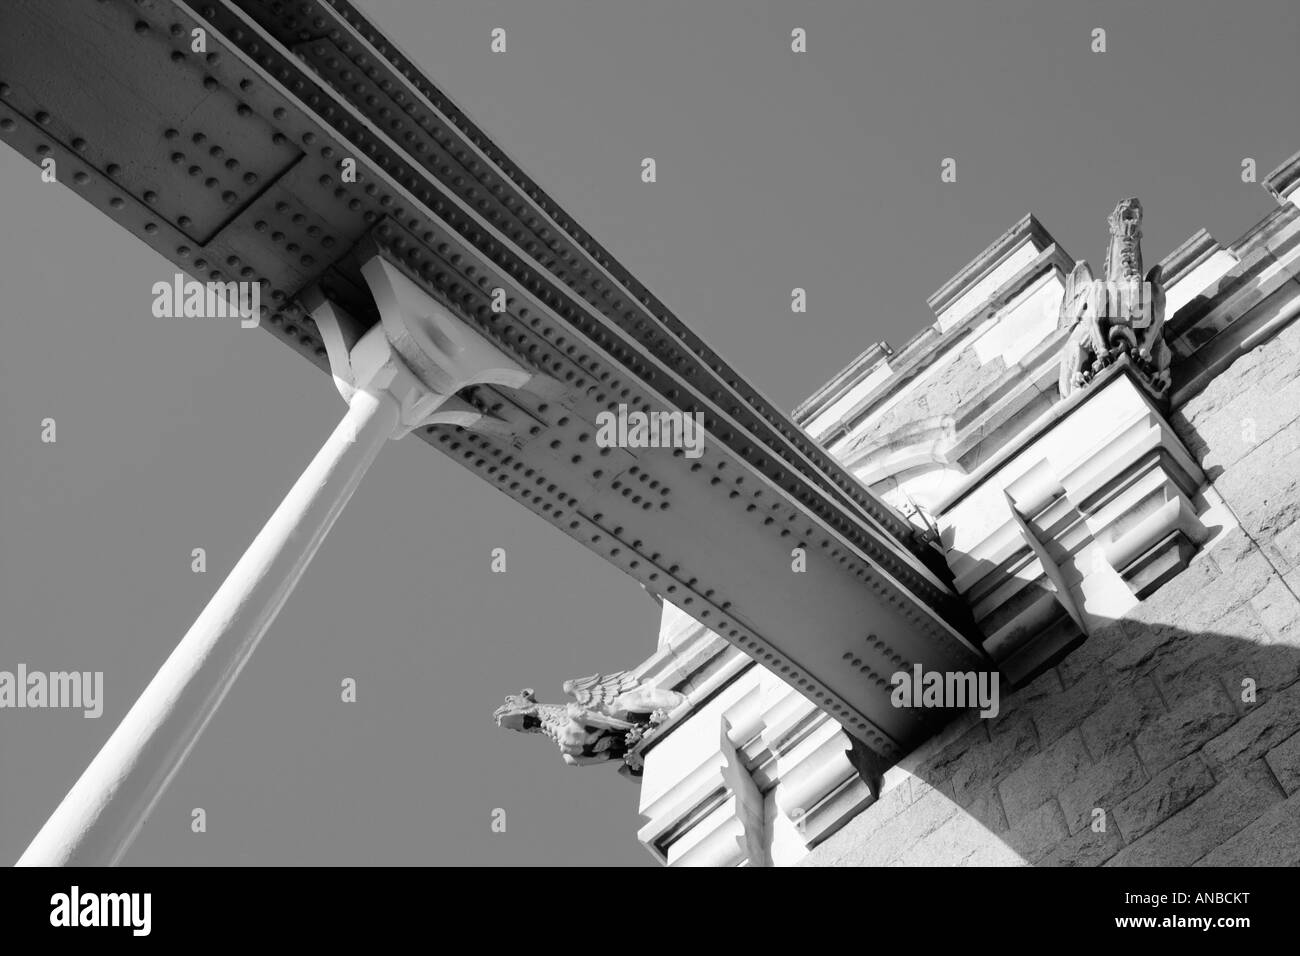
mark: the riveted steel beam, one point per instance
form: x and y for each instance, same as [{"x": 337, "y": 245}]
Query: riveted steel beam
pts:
[{"x": 230, "y": 166}]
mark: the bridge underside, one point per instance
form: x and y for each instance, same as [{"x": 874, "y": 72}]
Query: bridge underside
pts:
[{"x": 228, "y": 163}]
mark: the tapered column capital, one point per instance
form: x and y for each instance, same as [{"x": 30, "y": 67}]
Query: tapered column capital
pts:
[{"x": 419, "y": 353}]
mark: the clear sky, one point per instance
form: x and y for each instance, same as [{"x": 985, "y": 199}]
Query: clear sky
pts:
[{"x": 775, "y": 170}]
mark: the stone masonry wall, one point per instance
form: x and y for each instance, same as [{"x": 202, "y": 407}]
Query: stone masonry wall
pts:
[{"x": 1149, "y": 721}]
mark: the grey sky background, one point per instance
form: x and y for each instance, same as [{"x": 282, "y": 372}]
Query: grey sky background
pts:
[{"x": 775, "y": 170}]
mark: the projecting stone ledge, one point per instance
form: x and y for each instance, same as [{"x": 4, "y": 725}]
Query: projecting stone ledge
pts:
[{"x": 1088, "y": 511}]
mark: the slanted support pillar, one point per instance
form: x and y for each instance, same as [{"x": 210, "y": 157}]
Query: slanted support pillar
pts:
[
  {"x": 401, "y": 374},
  {"x": 106, "y": 807}
]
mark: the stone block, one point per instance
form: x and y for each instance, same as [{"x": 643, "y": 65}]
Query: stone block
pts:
[
  {"x": 1183, "y": 730},
  {"x": 1102, "y": 785},
  {"x": 1168, "y": 792},
  {"x": 1206, "y": 823},
  {"x": 1271, "y": 840},
  {"x": 1206, "y": 658},
  {"x": 954, "y": 756},
  {"x": 994, "y": 853},
  {"x": 878, "y": 843},
  {"x": 1043, "y": 776},
  {"x": 1043, "y": 687},
  {"x": 1286, "y": 548},
  {"x": 1093, "y": 653},
  {"x": 1263, "y": 488},
  {"x": 1279, "y": 611},
  {"x": 1242, "y": 562},
  {"x": 1070, "y": 707},
  {"x": 1284, "y": 761},
  {"x": 1272, "y": 720},
  {"x": 1085, "y": 848},
  {"x": 1038, "y": 832},
  {"x": 1148, "y": 643},
  {"x": 1253, "y": 400},
  {"x": 986, "y": 807},
  {"x": 958, "y": 839},
  {"x": 987, "y": 764},
  {"x": 1131, "y": 709},
  {"x": 1273, "y": 668},
  {"x": 1192, "y": 601}
]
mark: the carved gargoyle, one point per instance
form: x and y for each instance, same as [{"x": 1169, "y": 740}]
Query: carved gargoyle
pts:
[
  {"x": 607, "y": 717},
  {"x": 1122, "y": 313}
]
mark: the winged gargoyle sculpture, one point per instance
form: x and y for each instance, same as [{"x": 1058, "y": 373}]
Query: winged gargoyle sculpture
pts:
[
  {"x": 1122, "y": 313},
  {"x": 605, "y": 720}
]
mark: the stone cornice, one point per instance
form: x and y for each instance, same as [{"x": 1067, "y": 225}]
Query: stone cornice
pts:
[
  {"x": 1253, "y": 300},
  {"x": 1284, "y": 181},
  {"x": 1192, "y": 253},
  {"x": 911, "y": 363},
  {"x": 842, "y": 383},
  {"x": 932, "y": 343},
  {"x": 1028, "y": 227}
]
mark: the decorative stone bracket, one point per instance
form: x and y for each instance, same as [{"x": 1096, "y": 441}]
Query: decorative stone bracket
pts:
[
  {"x": 758, "y": 777},
  {"x": 1090, "y": 511}
]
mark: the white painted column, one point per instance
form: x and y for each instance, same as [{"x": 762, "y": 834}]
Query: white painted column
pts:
[
  {"x": 104, "y": 810},
  {"x": 401, "y": 374}
]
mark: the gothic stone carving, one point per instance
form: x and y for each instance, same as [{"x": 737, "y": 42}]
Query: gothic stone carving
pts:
[
  {"x": 1122, "y": 313},
  {"x": 607, "y": 717}
]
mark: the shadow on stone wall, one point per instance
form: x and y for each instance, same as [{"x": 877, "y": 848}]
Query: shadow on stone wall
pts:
[{"x": 1171, "y": 737}]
